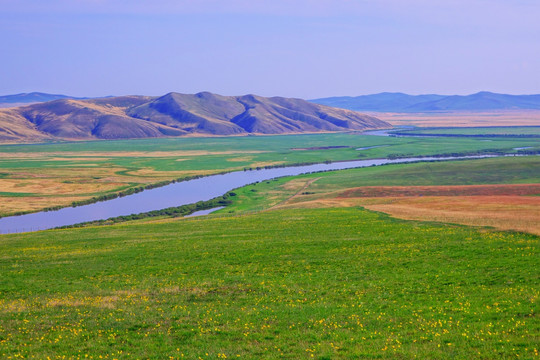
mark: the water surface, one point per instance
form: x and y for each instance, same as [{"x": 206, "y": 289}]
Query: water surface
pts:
[{"x": 177, "y": 194}]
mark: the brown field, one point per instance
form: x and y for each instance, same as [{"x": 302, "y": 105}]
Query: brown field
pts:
[
  {"x": 35, "y": 189},
  {"x": 11, "y": 204},
  {"x": 73, "y": 155},
  {"x": 456, "y": 190},
  {"x": 464, "y": 119},
  {"x": 505, "y": 207},
  {"x": 520, "y": 213},
  {"x": 56, "y": 187},
  {"x": 149, "y": 175}
]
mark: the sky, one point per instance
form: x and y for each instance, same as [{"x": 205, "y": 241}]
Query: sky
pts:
[{"x": 295, "y": 48}]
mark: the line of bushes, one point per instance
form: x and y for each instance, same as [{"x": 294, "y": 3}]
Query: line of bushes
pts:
[
  {"x": 495, "y": 152},
  {"x": 528, "y": 152},
  {"x": 177, "y": 211},
  {"x": 288, "y": 165}
]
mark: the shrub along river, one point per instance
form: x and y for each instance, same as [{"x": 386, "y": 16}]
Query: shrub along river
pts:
[{"x": 177, "y": 194}]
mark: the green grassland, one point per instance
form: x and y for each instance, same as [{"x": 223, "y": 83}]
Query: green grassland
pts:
[
  {"x": 261, "y": 149},
  {"x": 323, "y": 284},
  {"x": 505, "y": 170},
  {"x": 37, "y": 176},
  {"x": 499, "y": 130}
]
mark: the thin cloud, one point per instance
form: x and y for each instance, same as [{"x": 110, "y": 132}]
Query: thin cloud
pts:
[
  {"x": 521, "y": 14},
  {"x": 274, "y": 7}
]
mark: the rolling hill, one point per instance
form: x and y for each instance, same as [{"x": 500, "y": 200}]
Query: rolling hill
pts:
[
  {"x": 175, "y": 114},
  {"x": 399, "y": 102},
  {"x": 33, "y": 97}
]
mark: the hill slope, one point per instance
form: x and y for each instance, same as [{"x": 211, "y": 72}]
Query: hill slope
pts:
[
  {"x": 398, "y": 102},
  {"x": 32, "y": 97},
  {"x": 174, "y": 115}
]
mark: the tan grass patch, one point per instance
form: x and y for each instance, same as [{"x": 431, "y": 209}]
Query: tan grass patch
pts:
[
  {"x": 320, "y": 203},
  {"x": 130, "y": 293},
  {"x": 56, "y": 186},
  {"x": 64, "y": 302},
  {"x": 85, "y": 159},
  {"x": 519, "y": 213},
  {"x": 502, "y": 212},
  {"x": 10, "y": 205},
  {"x": 294, "y": 184},
  {"x": 148, "y": 172},
  {"x": 13, "y": 306},
  {"x": 266, "y": 163},
  {"x": 460, "y": 190},
  {"x": 464, "y": 119},
  {"x": 241, "y": 159},
  {"x": 171, "y": 290},
  {"x": 500, "y": 206},
  {"x": 107, "y": 302},
  {"x": 72, "y": 155},
  {"x": 74, "y": 172}
]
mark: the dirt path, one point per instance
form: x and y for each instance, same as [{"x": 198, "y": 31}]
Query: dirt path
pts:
[{"x": 283, "y": 202}]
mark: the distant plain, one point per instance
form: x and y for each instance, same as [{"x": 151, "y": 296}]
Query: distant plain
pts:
[{"x": 463, "y": 118}]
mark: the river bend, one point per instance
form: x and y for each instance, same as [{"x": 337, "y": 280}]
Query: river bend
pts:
[{"x": 176, "y": 194}]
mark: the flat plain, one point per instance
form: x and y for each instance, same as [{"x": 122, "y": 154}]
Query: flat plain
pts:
[
  {"x": 464, "y": 118},
  {"x": 297, "y": 283},
  {"x": 523, "y": 131},
  {"x": 37, "y": 176}
]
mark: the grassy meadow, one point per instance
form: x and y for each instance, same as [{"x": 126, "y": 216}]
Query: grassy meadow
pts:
[
  {"x": 500, "y": 130},
  {"x": 305, "y": 283},
  {"x": 497, "y": 192}
]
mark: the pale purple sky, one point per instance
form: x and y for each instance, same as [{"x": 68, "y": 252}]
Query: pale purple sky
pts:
[{"x": 296, "y": 48}]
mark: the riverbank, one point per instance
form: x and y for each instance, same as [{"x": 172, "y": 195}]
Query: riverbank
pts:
[{"x": 172, "y": 197}]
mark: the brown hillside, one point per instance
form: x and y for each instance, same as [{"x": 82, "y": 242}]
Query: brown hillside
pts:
[{"x": 175, "y": 115}]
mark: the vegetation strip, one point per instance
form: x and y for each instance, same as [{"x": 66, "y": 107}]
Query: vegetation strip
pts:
[{"x": 178, "y": 211}]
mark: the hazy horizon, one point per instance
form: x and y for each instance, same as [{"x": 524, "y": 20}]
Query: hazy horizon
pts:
[
  {"x": 306, "y": 48},
  {"x": 345, "y": 95}
]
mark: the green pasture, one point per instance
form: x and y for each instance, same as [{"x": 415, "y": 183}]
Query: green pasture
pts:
[
  {"x": 242, "y": 151},
  {"x": 296, "y": 284},
  {"x": 502, "y": 170},
  {"x": 494, "y": 130}
]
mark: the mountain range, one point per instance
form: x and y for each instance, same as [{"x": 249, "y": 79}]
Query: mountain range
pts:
[
  {"x": 175, "y": 114},
  {"x": 33, "y": 97},
  {"x": 399, "y": 102}
]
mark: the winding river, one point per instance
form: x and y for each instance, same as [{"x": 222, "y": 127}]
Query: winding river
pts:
[{"x": 176, "y": 194}]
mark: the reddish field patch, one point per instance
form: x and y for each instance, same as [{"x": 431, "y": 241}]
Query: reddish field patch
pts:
[
  {"x": 520, "y": 213},
  {"x": 460, "y": 190},
  {"x": 505, "y": 207}
]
